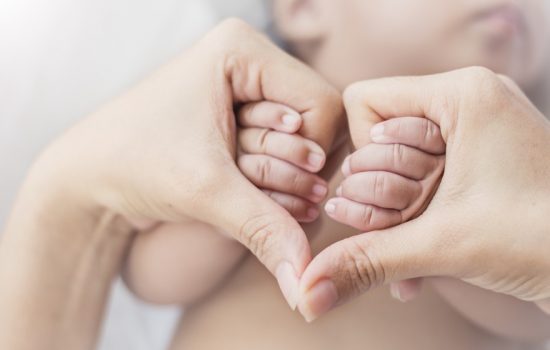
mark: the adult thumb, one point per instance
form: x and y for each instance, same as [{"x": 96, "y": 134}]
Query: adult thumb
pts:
[
  {"x": 266, "y": 229},
  {"x": 357, "y": 264}
]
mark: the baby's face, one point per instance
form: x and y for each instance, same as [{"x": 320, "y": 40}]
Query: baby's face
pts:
[{"x": 361, "y": 39}]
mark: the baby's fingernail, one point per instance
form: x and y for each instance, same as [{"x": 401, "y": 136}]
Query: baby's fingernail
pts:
[
  {"x": 395, "y": 292},
  {"x": 291, "y": 119},
  {"x": 320, "y": 190},
  {"x": 316, "y": 160},
  {"x": 288, "y": 282},
  {"x": 377, "y": 132},
  {"x": 346, "y": 167},
  {"x": 318, "y": 300},
  {"x": 312, "y": 213},
  {"x": 339, "y": 191},
  {"x": 330, "y": 207}
]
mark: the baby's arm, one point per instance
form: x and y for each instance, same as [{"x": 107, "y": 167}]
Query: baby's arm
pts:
[
  {"x": 180, "y": 263},
  {"x": 406, "y": 162}
]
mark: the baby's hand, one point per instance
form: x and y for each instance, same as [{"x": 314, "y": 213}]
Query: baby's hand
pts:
[
  {"x": 392, "y": 179},
  {"x": 274, "y": 157}
]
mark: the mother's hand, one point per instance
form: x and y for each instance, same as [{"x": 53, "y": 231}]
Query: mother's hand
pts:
[
  {"x": 488, "y": 223},
  {"x": 164, "y": 151}
]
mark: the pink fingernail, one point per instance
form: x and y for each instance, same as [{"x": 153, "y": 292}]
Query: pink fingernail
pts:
[
  {"x": 291, "y": 119},
  {"x": 330, "y": 208},
  {"x": 377, "y": 133},
  {"x": 288, "y": 282},
  {"x": 320, "y": 190},
  {"x": 316, "y": 160},
  {"x": 312, "y": 213},
  {"x": 318, "y": 300}
]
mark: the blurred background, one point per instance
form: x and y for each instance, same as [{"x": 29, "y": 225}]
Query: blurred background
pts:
[{"x": 59, "y": 60}]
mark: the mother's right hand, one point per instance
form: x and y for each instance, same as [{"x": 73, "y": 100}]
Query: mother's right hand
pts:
[
  {"x": 165, "y": 150},
  {"x": 486, "y": 225}
]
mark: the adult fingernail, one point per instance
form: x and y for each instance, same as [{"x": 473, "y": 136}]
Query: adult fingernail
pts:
[
  {"x": 320, "y": 190},
  {"x": 288, "y": 282},
  {"x": 291, "y": 119},
  {"x": 330, "y": 207},
  {"x": 316, "y": 160},
  {"x": 346, "y": 167},
  {"x": 377, "y": 132},
  {"x": 396, "y": 293},
  {"x": 318, "y": 300}
]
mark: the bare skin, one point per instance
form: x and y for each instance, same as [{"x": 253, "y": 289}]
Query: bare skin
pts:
[{"x": 249, "y": 313}]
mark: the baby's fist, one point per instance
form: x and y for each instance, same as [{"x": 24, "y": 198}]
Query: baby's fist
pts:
[{"x": 392, "y": 179}]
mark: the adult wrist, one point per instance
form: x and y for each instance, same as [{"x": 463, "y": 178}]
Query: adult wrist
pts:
[{"x": 58, "y": 258}]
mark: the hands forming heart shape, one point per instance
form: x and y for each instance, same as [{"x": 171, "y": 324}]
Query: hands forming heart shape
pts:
[{"x": 166, "y": 152}]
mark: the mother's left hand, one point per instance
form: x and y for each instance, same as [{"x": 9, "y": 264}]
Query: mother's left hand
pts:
[{"x": 488, "y": 222}]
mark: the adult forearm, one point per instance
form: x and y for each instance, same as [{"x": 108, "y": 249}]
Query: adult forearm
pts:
[{"x": 57, "y": 262}]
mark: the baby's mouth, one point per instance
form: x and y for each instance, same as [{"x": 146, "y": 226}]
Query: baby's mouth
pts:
[{"x": 502, "y": 22}]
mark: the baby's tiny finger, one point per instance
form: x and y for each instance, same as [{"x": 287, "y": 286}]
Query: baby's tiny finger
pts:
[
  {"x": 396, "y": 158},
  {"x": 416, "y": 132},
  {"x": 301, "y": 209},
  {"x": 381, "y": 189},
  {"x": 277, "y": 175},
  {"x": 266, "y": 114},
  {"x": 292, "y": 148},
  {"x": 363, "y": 217}
]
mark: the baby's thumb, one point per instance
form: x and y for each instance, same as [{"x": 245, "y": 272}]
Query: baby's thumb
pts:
[
  {"x": 267, "y": 230},
  {"x": 353, "y": 266}
]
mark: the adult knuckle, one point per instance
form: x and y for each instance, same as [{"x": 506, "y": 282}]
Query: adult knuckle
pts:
[
  {"x": 257, "y": 234},
  {"x": 226, "y": 39},
  {"x": 360, "y": 268},
  {"x": 479, "y": 73},
  {"x": 481, "y": 81},
  {"x": 233, "y": 26}
]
